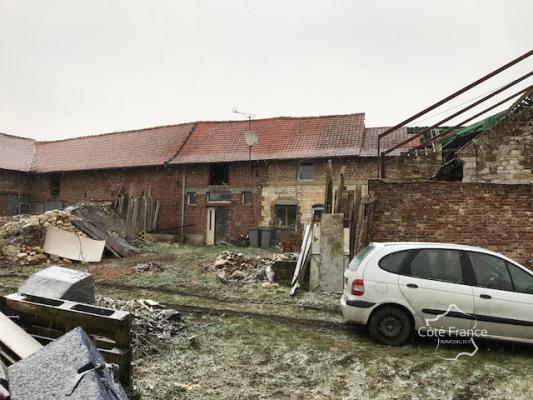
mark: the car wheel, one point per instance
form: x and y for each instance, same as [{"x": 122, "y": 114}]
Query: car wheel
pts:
[{"x": 390, "y": 326}]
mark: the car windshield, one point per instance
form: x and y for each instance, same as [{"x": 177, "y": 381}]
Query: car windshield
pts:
[{"x": 359, "y": 257}]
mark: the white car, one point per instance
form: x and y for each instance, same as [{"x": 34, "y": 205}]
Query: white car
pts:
[{"x": 398, "y": 289}]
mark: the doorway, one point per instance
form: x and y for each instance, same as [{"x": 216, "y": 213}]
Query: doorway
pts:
[{"x": 217, "y": 225}]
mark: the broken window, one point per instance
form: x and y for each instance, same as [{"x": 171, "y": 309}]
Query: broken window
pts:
[
  {"x": 219, "y": 174},
  {"x": 219, "y": 196},
  {"x": 191, "y": 198},
  {"x": 306, "y": 172},
  {"x": 247, "y": 198},
  {"x": 55, "y": 184},
  {"x": 286, "y": 217}
]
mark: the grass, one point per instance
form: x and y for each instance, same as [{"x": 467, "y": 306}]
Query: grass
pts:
[{"x": 241, "y": 358}]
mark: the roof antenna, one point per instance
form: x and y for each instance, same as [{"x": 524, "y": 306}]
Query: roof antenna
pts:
[{"x": 246, "y": 115}]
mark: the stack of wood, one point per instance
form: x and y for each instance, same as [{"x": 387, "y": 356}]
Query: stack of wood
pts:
[{"x": 141, "y": 213}]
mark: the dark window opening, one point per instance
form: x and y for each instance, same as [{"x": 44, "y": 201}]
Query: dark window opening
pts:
[
  {"x": 247, "y": 198},
  {"x": 306, "y": 172},
  {"x": 219, "y": 196},
  {"x": 219, "y": 174},
  {"x": 191, "y": 198},
  {"x": 55, "y": 184},
  {"x": 317, "y": 211},
  {"x": 286, "y": 217}
]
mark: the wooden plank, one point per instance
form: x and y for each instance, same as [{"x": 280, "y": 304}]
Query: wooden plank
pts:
[{"x": 15, "y": 339}]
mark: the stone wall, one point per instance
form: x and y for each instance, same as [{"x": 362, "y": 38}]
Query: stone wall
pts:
[
  {"x": 495, "y": 216},
  {"x": 504, "y": 154}
]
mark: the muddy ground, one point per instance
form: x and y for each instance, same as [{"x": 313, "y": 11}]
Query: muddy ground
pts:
[{"x": 252, "y": 342}]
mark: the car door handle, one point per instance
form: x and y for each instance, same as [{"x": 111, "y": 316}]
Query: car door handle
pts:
[
  {"x": 485, "y": 296},
  {"x": 412, "y": 285}
]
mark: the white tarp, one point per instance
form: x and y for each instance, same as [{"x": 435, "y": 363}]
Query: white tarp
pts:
[{"x": 69, "y": 245}]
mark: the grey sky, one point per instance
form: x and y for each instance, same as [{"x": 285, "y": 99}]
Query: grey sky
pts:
[{"x": 71, "y": 68}]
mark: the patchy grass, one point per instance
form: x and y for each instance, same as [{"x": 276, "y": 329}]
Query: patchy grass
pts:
[{"x": 241, "y": 358}]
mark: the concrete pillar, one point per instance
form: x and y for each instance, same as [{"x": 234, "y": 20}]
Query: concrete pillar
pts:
[{"x": 331, "y": 253}]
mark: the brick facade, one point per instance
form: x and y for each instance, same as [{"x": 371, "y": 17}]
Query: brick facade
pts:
[
  {"x": 504, "y": 154},
  {"x": 12, "y": 184},
  {"x": 495, "y": 216}
]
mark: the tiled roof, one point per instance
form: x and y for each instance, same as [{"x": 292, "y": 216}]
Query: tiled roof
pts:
[
  {"x": 370, "y": 142},
  {"x": 201, "y": 142},
  {"x": 152, "y": 146},
  {"x": 278, "y": 138},
  {"x": 16, "y": 153}
]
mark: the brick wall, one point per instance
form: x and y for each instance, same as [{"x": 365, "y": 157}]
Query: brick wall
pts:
[
  {"x": 104, "y": 186},
  {"x": 503, "y": 154},
  {"x": 12, "y": 182},
  {"x": 495, "y": 216}
]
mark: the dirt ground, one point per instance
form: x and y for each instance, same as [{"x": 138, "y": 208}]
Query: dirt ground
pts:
[{"x": 255, "y": 342}]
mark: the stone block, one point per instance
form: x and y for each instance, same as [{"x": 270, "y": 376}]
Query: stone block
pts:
[
  {"x": 68, "y": 368},
  {"x": 60, "y": 283}
]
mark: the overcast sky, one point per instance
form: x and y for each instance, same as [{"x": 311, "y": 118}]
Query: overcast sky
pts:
[{"x": 71, "y": 68}]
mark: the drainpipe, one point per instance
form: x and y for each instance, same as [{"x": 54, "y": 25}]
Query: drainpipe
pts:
[{"x": 183, "y": 203}]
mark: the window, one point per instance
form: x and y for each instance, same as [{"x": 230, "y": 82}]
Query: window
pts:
[
  {"x": 392, "y": 262},
  {"x": 316, "y": 212},
  {"x": 191, "y": 198},
  {"x": 359, "y": 257},
  {"x": 219, "y": 196},
  {"x": 247, "y": 198},
  {"x": 523, "y": 281},
  {"x": 286, "y": 217},
  {"x": 306, "y": 172},
  {"x": 437, "y": 265},
  {"x": 55, "y": 184},
  {"x": 219, "y": 174},
  {"x": 490, "y": 272}
]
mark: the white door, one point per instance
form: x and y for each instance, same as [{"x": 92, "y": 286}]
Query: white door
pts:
[
  {"x": 503, "y": 297},
  {"x": 210, "y": 236},
  {"x": 433, "y": 286}
]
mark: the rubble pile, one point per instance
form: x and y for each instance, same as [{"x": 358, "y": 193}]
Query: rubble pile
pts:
[
  {"x": 153, "y": 325},
  {"x": 150, "y": 266},
  {"x": 22, "y": 236},
  {"x": 231, "y": 267}
]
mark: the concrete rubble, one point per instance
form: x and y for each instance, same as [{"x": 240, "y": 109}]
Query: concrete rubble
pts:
[
  {"x": 153, "y": 324},
  {"x": 22, "y": 237},
  {"x": 235, "y": 268}
]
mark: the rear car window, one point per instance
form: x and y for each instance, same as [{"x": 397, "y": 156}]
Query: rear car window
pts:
[
  {"x": 359, "y": 257},
  {"x": 392, "y": 262}
]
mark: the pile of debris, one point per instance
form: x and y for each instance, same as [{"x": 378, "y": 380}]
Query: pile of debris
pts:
[
  {"x": 22, "y": 237},
  {"x": 235, "y": 268},
  {"x": 153, "y": 325}
]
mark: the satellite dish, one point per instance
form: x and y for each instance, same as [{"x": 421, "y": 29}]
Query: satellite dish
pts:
[{"x": 250, "y": 137}]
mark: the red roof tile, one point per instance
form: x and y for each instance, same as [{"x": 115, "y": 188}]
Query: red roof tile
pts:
[
  {"x": 16, "y": 153},
  {"x": 279, "y": 138},
  {"x": 152, "y": 146},
  {"x": 370, "y": 142},
  {"x": 216, "y": 141}
]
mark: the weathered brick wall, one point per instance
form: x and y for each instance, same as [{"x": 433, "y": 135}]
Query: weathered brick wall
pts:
[
  {"x": 422, "y": 164},
  {"x": 503, "y": 154},
  {"x": 104, "y": 186},
  {"x": 240, "y": 217},
  {"x": 495, "y": 216},
  {"x": 12, "y": 182}
]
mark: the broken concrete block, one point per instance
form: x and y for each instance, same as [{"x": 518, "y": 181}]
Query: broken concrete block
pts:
[
  {"x": 68, "y": 368},
  {"x": 60, "y": 283}
]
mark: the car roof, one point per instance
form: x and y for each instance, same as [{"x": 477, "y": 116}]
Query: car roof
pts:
[{"x": 425, "y": 245}]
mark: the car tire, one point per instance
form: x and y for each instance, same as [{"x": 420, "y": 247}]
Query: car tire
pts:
[{"x": 390, "y": 326}]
